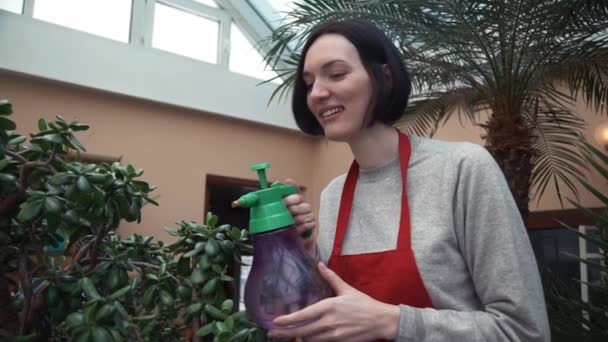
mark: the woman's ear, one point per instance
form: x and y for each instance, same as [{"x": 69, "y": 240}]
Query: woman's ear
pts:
[{"x": 388, "y": 76}]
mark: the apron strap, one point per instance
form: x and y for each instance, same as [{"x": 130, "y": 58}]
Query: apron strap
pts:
[{"x": 348, "y": 193}]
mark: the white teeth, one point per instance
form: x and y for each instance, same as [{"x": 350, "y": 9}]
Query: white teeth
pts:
[{"x": 331, "y": 111}]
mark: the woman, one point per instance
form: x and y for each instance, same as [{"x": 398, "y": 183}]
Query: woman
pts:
[{"x": 422, "y": 238}]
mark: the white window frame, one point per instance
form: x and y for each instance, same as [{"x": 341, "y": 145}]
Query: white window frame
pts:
[
  {"x": 584, "y": 268},
  {"x": 58, "y": 53}
]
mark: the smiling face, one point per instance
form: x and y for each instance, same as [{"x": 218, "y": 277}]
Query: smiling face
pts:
[{"x": 339, "y": 88}]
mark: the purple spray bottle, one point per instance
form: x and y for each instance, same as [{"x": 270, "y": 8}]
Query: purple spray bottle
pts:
[{"x": 283, "y": 277}]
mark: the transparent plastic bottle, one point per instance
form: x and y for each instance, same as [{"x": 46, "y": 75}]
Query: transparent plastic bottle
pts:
[{"x": 283, "y": 278}]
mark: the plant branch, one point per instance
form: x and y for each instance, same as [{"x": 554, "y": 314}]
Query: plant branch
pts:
[
  {"x": 79, "y": 255},
  {"x": 26, "y": 286},
  {"x": 196, "y": 320},
  {"x": 145, "y": 264},
  {"x": 95, "y": 248},
  {"x": 7, "y": 308}
]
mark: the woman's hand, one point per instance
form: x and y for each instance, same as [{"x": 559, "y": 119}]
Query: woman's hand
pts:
[
  {"x": 304, "y": 220},
  {"x": 350, "y": 316}
]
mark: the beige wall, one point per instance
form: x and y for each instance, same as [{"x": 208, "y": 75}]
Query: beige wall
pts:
[{"x": 178, "y": 147}]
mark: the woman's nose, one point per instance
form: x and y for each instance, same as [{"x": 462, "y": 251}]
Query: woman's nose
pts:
[{"x": 318, "y": 92}]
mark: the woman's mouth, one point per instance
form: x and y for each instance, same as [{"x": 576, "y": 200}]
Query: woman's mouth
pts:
[{"x": 332, "y": 111}]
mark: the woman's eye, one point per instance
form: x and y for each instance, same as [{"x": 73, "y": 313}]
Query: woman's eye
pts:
[{"x": 337, "y": 76}]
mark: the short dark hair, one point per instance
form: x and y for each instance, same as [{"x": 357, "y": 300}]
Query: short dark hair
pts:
[{"x": 388, "y": 101}]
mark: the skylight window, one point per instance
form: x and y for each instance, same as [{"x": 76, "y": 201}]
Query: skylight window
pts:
[
  {"x": 106, "y": 18},
  {"x": 210, "y": 3},
  {"x": 15, "y": 6},
  {"x": 273, "y": 11},
  {"x": 185, "y": 34},
  {"x": 245, "y": 59}
]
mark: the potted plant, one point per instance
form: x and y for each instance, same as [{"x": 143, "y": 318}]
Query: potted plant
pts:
[{"x": 66, "y": 274}]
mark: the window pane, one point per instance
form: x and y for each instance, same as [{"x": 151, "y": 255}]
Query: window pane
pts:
[
  {"x": 207, "y": 2},
  {"x": 550, "y": 246},
  {"x": 106, "y": 18},
  {"x": 15, "y": 6},
  {"x": 185, "y": 34},
  {"x": 245, "y": 59}
]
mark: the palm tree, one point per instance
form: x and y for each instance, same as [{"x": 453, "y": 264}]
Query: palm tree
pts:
[{"x": 521, "y": 62}]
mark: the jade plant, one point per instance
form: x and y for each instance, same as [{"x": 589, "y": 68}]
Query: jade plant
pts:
[{"x": 65, "y": 274}]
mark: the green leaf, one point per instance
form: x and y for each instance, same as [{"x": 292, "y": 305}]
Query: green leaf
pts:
[
  {"x": 169, "y": 231},
  {"x": 166, "y": 298},
  {"x": 52, "y": 205},
  {"x": 199, "y": 247},
  {"x": 227, "y": 305},
  {"x": 42, "y": 125},
  {"x": 54, "y": 138},
  {"x": 211, "y": 220},
  {"x": 89, "y": 168},
  {"x": 119, "y": 293},
  {"x": 7, "y": 124},
  {"x": 5, "y": 107},
  {"x": 18, "y": 140},
  {"x": 197, "y": 276},
  {"x": 76, "y": 127},
  {"x": 229, "y": 323},
  {"x": 151, "y": 276},
  {"x": 89, "y": 289},
  {"x": 83, "y": 184},
  {"x": 205, "y": 330},
  {"x": 148, "y": 296},
  {"x": 75, "y": 142},
  {"x": 29, "y": 210},
  {"x": 240, "y": 336},
  {"x": 194, "y": 308},
  {"x": 4, "y": 163},
  {"x": 149, "y": 200},
  {"x": 62, "y": 178},
  {"x": 74, "y": 320},
  {"x": 214, "y": 312},
  {"x": 7, "y": 178}
]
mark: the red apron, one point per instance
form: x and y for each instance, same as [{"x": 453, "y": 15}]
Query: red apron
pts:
[{"x": 391, "y": 277}]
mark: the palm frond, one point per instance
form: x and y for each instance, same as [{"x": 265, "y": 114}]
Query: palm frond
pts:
[
  {"x": 557, "y": 147},
  {"x": 504, "y": 56},
  {"x": 586, "y": 74},
  {"x": 428, "y": 112}
]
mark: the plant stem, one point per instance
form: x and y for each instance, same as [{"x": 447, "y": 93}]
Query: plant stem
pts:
[
  {"x": 11, "y": 201},
  {"x": 95, "y": 249},
  {"x": 26, "y": 286},
  {"x": 145, "y": 264},
  {"x": 196, "y": 320},
  {"x": 79, "y": 255},
  {"x": 8, "y": 314}
]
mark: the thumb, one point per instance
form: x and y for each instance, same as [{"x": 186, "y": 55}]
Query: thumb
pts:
[
  {"x": 339, "y": 286},
  {"x": 290, "y": 181}
]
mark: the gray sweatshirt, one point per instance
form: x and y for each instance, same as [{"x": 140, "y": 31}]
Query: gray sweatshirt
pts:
[{"x": 469, "y": 241}]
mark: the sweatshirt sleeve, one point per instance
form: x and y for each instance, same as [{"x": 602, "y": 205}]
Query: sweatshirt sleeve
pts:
[{"x": 495, "y": 245}]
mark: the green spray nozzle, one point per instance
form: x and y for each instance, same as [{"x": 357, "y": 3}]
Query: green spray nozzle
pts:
[
  {"x": 267, "y": 209},
  {"x": 261, "y": 170}
]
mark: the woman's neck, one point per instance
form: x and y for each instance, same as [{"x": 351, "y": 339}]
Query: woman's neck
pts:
[{"x": 375, "y": 146}]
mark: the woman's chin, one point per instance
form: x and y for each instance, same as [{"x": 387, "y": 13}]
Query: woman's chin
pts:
[{"x": 339, "y": 135}]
